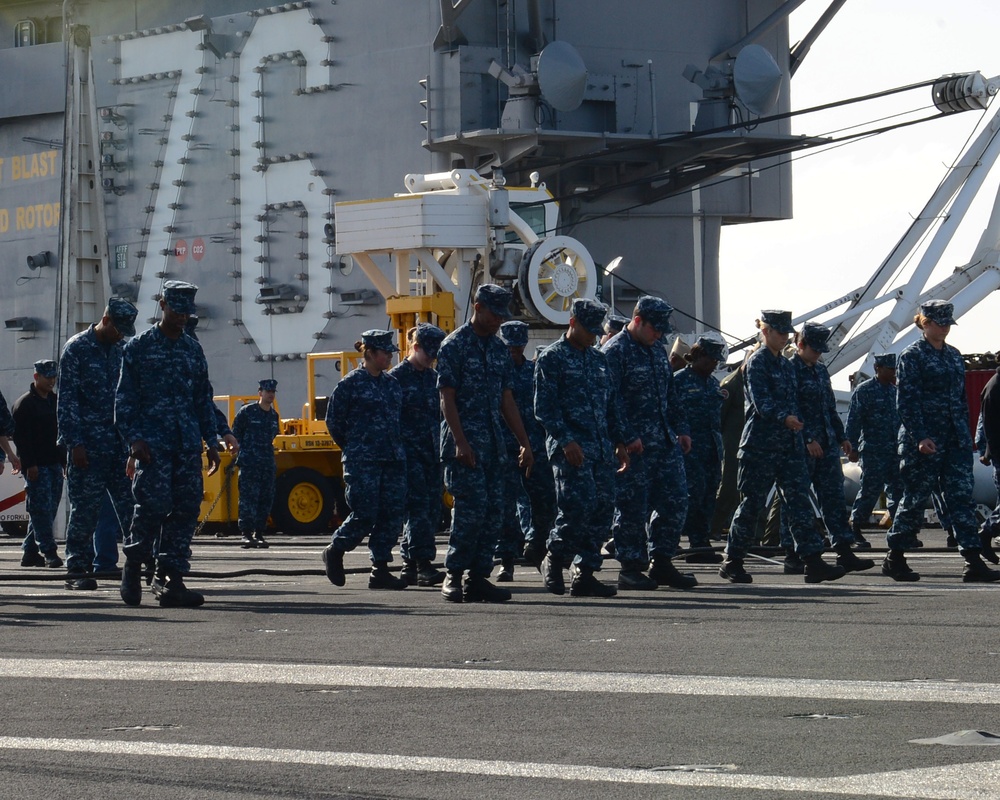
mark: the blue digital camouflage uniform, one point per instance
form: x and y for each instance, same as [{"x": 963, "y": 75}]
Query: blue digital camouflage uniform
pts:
[
  {"x": 932, "y": 404},
  {"x": 872, "y": 429},
  {"x": 771, "y": 453},
  {"x": 255, "y": 429},
  {"x": 164, "y": 399},
  {"x": 88, "y": 377},
  {"x": 539, "y": 488},
  {"x": 35, "y": 434},
  {"x": 988, "y": 442},
  {"x": 701, "y": 399},
  {"x": 363, "y": 417},
  {"x": 421, "y": 433},
  {"x": 818, "y": 412},
  {"x": 480, "y": 370},
  {"x": 651, "y": 495},
  {"x": 575, "y": 401}
]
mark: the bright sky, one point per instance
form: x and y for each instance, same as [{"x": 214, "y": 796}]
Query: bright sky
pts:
[{"x": 852, "y": 204}]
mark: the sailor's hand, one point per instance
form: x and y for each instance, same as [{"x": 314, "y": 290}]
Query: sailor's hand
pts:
[
  {"x": 140, "y": 451},
  {"x": 213, "y": 460},
  {"x": 80, "y": 460}
]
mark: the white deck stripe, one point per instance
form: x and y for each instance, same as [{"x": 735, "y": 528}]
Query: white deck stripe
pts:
[
  {"x": 958, "y": 782},
  {"x": 490, "y": 679}
]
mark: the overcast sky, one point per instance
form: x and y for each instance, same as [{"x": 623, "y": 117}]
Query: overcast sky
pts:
[{"x": 852, "y": 204}]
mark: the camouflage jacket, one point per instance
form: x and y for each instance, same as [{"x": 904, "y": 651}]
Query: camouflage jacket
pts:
[
  {"x": 702, "y": 399},
  {"x": 255, "y": 429},
  {"x": 644, "y": 383},
  {"x": 872, "y": 419},
  {"x": 930, "y": 396},
  {"x": 88, "y": 377},
  {"x": 770, "y": 396},
  {"x": 163, "y": 395},
  {"x": 817, "y": 405},
  {"x": 576, "y": 400},
  {"x": 363, "y": 417},
  {"x": 421, "y": 419}
]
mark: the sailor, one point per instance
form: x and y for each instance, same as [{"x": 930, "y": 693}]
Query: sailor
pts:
[
  {"x": 733, "y": 417},
  {"x": 872, "y": 430},
  {"x": 651, "y": 496},
  {"x": 476, "y": 382},
  {"x": 772, "y": 452},
  {"x": 575, "y": 403},
  {"x": 164, "y": 410},
  {"x": 935, "y": 445},
  {"x": 701, "y": 397},
  {"x": 612, "y": 325},
  {"x": 363, "y": 417},
  {"x": 989, "y": 436},
  {"x": 89, "y": 369},
  {"x": 824, "y": 437},
  {"x": 42, "y": 463},
  {"x": 539, "y": 489},
  {"x": 255, "y": 426},
  {"x": 421, "y": 431}
]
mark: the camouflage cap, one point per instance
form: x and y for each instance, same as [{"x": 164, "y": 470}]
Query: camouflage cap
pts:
[
  {"x": 429, "y": 337},
  {"x": 46, "y": 367},
  {"x": 380, "y": 340},
  {"x": 590, "y": 314},
  {"x": 939, "y": 312},
  {"x": 712, "y": 347},
  {"x": 816, "y": 336},
  {"x": 496, "y": 299},
  {"x": 656, "y": 311},
  {"x": 514, "y": 333},
  {"x": 179, "y": 295},
  {"x": 887, "y": 360},
  {"x": 123, "y": 315},
  {"x": 268, "y": 385},
  {"x": 614, "y": 323},
  {"x": 780, "y": 321}
]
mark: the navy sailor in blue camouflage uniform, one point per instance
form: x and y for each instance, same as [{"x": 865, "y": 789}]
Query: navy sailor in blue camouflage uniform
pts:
[
  {"x": 255, "y": 426},
  {"x": 421, "y": 430},
  {"x": 576, "y": 402},
  {"x": 43, "y": 462},
  {"x": 824, "y": 437},
  {"x": 701, "y": 396},
  {"x": 651, "y": 496},
  {"x": 539, "y": 488},
  {"x": 363, "y": 417},
  {"x": 935, "y": 445},
  {"x": 772, "y": 452},
  {"x": 872, "y": 430},
  {"x": 475, "y": 380},
  {"x": 164, "y": 410},
  {"x": 89, "y": 369}
]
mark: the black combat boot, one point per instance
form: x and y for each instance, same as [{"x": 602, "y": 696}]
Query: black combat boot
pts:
[
  {"x": 506, "y": 573},
  {"x": 663, "y": 571},
  {"x": 451, "y": 589},
  {"x": 632, "y": 577},
  {"x": 976, "y": 570},
  {"x": 246, "y": 541},
  {"x": 478, "y": 589},
  {"x": 131, "y": 589},
  {"x": 78, "y": 581},
  {"x": 259, "y": 541},
  {"x": 170, "y": 591},
  {"x": 382, "y": 578},
  {"x": 408, "y": 574},
  {"x": 895, "y": 567},
  {"x": 733, "y": 571},
  {"x": 950, "y": 541},
  {"x": 552, "y": 574},
  {"x": 850, "y": 562},
  {"x": 333, "y": 562},
  {"x": 986, "y": 539},
  {"x": 793, "y": 565},
  {"x": 586, "y": 585},
  {"x": 817, "y": 570},
  {"x": 427, "y": 575}
]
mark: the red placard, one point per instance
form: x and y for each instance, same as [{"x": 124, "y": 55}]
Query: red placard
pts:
[
  {"x": 181, "y": 250},
  {"x": 198, "y": 249}
]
